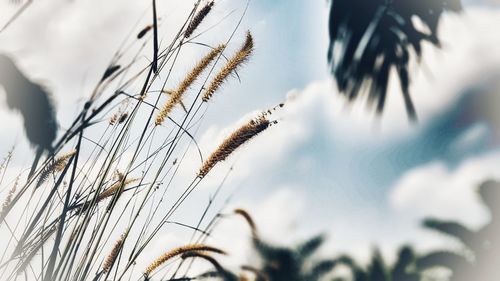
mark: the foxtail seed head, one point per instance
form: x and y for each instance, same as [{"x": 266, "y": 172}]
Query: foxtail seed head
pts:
[
  {"x": 231, "y": 66},
  {"x": 179, "y": 251},
  {"x": 177, "y": 94},
  {"x": 231, "y": 143}
]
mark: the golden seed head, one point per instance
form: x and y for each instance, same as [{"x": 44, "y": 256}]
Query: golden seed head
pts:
[
  {"x": 57, "y": 165},
  {"x": 110, "y": 259},
  {"x": 177, "y": 94},
  {"x": 231, "y": 143},
  {"x": 231, "y": 66},
  {"x": 179, "y": 251},
  {"x": 198, "y": 18}
]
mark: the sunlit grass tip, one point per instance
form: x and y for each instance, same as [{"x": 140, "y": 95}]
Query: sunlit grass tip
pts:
[
  {"x": 177, "y": 94},
  {"x": 57, "y": 165},
  {"x": 235, "y": 140},
  {"x": 110, "y": 259},
  {"x": 232, "y": 65},
  {"x": 198, "y": 18},
  {"x": 179, "y": 251}
]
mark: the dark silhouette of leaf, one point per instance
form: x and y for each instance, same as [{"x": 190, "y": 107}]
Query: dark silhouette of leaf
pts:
[
  {"x": 405, "y": 258},
  {"x": 453, "y": 229},
  {"x": 370, "y": 38},
  {"x": 402, "y": 269},
  {"x": 308, "y": 248},
  {"x": 358, "y": 274},
  {"x": 482, "y": 243},
  {"x": 320, "y": 269},
  {"x": 442, "y": 259},
  {"x": 32, "y": 101},
  {"x": 376, "y": 269},
  {"x": 289, "y": 264}
]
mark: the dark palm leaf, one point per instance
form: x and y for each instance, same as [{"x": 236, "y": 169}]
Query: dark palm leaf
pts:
[
  {"x": 377, "y": 269},
  {"x": 320, "y": 269},
  {"x": 406, "y": 257},
  {"x": 32, "y": 101},
  {"x": 279, "y": 263},
  {"x": 445, "y": 259},
  {"x": 358, "y": 274},
  {"x": 308, "y": 248},
  {"x": 454, "y": 229},
  {"x": 370, "y": 38}
]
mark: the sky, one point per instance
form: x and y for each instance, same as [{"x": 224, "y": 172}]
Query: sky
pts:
[{"x": 327, "y": 167}]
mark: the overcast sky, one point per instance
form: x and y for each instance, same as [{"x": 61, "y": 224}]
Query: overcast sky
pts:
[{"x": 327, "y": 167}]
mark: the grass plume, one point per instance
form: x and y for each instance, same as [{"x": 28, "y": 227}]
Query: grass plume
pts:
[
  {"x": 198, "y": 18},
  {"x": 179, "y": 251},
  {"x": 110, "y": 191},
  {"x": 8, "y": 200},
  {"x": 110, "y": 259},
  {"x": 56, "y": 166},
  {"x": 177, "y": 94},
  {"x": 231, "y": 66},
  {"x": 235, "y": 140}
]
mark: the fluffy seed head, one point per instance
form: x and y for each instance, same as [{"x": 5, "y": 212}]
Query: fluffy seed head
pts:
[
  {"x": 198, "y": 18},
  {"x": 177, "y": 94},
  {"x": 118, "y": 186},
  {"x": 235, "y": 140},
  {"x": 8, "y": 200},
  {"x": 110, "y": 259},
  {"x": 56, "y": 166},
  {"x": 179, "y": 251},
  {"x": 231, "y": 66}
]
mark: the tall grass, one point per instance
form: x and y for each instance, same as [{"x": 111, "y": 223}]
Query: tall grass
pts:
[{"x": 111, "y": 171}]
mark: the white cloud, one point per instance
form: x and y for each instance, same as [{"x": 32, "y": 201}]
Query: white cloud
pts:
[{"x": 449, "y": 193}]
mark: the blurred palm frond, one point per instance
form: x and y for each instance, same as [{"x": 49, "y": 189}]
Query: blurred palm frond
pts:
[{"x": 368, "y": 39}]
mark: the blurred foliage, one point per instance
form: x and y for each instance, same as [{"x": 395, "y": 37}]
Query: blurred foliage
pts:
[
  {"x": 478, "y": 261},
  {"x": 369, "y": 39},
  {"x": 481, "y": 256}
]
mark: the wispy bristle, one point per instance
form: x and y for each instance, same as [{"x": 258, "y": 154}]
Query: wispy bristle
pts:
[
  {"x": 179, "y": 251},
  {"x": 231, "y": 66},
  {"x": 177, "y": 94},
  {"x": 235, "y": 140},
  {"x": 198, "y": 18},
  {"x": 8, "y": 200},
  {"x": 6, "y": 159},
  {"x": 56, "y": 166}
]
